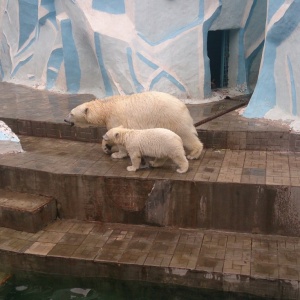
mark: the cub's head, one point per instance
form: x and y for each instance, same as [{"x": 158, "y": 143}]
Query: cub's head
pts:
[
  {"x": 79, "y": 115},
  {"x": 114, "y": 135}
]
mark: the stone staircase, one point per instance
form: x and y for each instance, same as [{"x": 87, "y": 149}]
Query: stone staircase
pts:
[
  {"x": 26, "y": 212},
  {"x": 246, "y": 182}
]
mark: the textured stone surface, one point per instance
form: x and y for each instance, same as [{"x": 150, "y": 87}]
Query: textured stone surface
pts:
[
  {"x": 261, "y": 265},
  {"x": 248, "y": 191},
  {"x": 27, "y": 212}
]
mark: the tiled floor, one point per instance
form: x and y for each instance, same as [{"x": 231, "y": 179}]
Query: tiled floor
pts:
[
  {"x": 210, "y": 259},
  {"x": 255, "y": 256},
  {"x": 224, "y": 165}
]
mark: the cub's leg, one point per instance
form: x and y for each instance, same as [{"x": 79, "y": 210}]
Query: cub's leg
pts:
[
  {"x": 158, "y": 162},
  {"x": 181, "y": 162},
  {"x": 121, "y": 153},
  {"x": 135, "y": 160}
]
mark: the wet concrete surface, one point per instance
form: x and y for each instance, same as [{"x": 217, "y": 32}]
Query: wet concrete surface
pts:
[
  {"x": 17, "y": 102},
  {"x": 246, "y": 191},
  {"x": 246, "y": 180},
  {"x": 41, "y": 113},
  {"x": 253, "y": 264}
]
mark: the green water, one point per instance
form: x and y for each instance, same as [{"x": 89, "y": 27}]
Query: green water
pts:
[{"x": 39, "y": 287}]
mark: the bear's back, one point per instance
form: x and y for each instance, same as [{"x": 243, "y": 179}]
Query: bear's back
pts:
[
  {"x": 149, "y": 110},
  {"x": 158, "y": 142}
]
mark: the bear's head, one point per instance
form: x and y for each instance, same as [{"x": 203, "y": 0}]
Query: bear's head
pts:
[
  {"x": 115, "y": 135},
  {"x": 78, "y": 115}
]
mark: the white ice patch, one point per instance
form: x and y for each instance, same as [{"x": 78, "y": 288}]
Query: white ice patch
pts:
[
  {"x": 21, "y": 288},
  {"x": 278, "y": 114},
  {"x": 80, "y": 291},
  {"x": 216, "y": 95},
  {"x": 9, "y": 142}
]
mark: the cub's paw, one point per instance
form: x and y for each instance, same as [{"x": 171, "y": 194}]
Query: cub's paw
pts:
[
  {"x": 131, "y": 169},
  {"x": 151, "y": 163},
  {"x": 119, "y": 155},
  {"x": 191, "y": 157},
  {"x": 181, "y": 171}
]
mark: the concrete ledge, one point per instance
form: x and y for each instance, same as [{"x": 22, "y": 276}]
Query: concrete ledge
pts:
[
  {"x": 189, "y": 203},
  {"x": 215, "y": 134},
  {"x": 26, "y": 212},
  {"x": 265, "y": 266}
]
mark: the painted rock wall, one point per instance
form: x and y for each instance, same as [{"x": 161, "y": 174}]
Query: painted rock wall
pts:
[
  {"x": 277, "y": 93},
  {"x": 108, "y": 47}
]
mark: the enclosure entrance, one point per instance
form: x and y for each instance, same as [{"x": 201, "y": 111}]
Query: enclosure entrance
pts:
[{"x": 218, "y": 53}]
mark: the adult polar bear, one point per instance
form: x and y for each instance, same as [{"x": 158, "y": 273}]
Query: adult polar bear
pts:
[{"x": 140, "y": 111}]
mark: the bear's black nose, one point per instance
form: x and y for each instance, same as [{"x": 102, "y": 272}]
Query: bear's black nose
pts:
[{"x": 69, "y": 122}]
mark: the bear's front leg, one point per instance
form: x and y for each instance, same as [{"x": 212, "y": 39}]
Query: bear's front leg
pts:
[
  {"x": 121, "y": 153},
  {"x": 136, "y": 161}
]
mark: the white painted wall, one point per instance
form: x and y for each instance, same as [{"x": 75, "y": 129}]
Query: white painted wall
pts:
[{"x": 124, "y": 46}]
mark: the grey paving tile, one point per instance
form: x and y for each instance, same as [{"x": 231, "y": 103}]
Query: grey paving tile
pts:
[
  {"x": 158, "y": 259},
  {"x": 264, "y": 270},
  {"x": 62, "y": 250},
  {"x": 40, "y": 248},
  {"x": 86, "y": 252},
  {"x": 50, "y": 237},
  {"x": 14, "y": 244},
  {"x": 132, "y": 256},
  {"x": 72, "y": 239},
  {"x": 81, "y": 228}
]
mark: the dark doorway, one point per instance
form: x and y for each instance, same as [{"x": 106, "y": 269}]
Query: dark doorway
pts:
[{"x": 218, "y": 53}]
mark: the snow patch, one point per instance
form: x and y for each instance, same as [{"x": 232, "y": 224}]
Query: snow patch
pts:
[
  {"x": 9, "y": 142},
  {"x": 216, "y": 95},
  {"x": 279, "y": 115}
]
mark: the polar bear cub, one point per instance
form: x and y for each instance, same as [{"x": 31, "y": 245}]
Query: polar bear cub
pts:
[{"x": 159, "y": 143}]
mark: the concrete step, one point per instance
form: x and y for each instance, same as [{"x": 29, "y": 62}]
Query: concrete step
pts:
[
  {"x": 218, "y": 126},
  {"x": 260, "y": 265},
  {"x": 26, "y": 212},
  {"x": 243, "y": 191}
]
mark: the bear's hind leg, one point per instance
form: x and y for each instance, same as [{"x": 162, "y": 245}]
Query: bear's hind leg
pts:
[
  {"x": 182, "y": 163},
  {"x": 158, "y": 162},
  {"x": 193, "y": 146},
  {"x": 136, "y": 161}
]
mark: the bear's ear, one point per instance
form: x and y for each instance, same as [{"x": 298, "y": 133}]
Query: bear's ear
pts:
[{"x": 86, "y": 110}]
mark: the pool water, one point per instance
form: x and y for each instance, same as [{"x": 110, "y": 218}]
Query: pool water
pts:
[{"x": 41, "y": 287}]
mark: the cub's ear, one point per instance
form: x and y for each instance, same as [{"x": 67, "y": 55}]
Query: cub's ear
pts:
[
  {"x": 86, "y": 110},
  {"x": 117, "y": 135}
]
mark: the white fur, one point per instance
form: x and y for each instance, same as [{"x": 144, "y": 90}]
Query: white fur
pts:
[
  {"x": 140, "y": 111},
  {"x": 160, "y": 143}
]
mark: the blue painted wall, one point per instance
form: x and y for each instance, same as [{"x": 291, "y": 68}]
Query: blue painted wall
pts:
[
  {"x": 278, "y": 82},
  {"x": 111, "y": 47}
]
